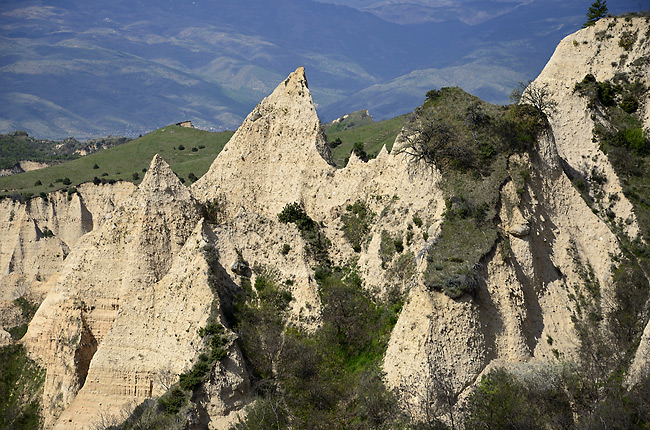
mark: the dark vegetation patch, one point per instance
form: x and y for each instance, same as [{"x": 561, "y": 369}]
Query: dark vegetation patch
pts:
[
  {"x": 21, "y": 382},
  {"x": 328, "y": 378},
  {"x": 356, "y": 224},
  {"x": 316, "y": 242},
  {"x": 470, "y": 142}
]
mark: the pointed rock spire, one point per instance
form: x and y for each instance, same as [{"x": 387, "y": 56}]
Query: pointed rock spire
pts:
[
  {"x": 354, "y": 159},
  {"x": 276, "y": 155},
  {"x": 383, "y": 154},
  {"x": 160, "y": 181}
]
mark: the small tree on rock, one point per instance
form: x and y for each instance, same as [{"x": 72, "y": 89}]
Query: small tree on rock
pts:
[
  {"x": 597, "y": 10},
  {"x": 536, "y": 95}
]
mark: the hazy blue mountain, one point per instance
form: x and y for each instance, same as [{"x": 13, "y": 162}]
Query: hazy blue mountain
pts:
[{"x": 83, "y": 69}]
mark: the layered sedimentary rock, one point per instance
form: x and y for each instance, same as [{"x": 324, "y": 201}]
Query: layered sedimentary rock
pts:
[{"x": 124, "y": 258}]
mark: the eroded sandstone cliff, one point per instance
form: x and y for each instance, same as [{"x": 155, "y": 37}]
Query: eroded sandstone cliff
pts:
[{"x": 131, "y": 277}]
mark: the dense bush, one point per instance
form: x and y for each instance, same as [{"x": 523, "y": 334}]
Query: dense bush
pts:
[
  {"x": 356, "y": 223},
  {"x": 214, "y": 210},
  {"x": 317, "y": 243},
  {"x": 21, "y": 380},
  {"x": 322, "y": 379},
  {"x": 173, "y": 401},
  {"x": 359, "y": 151},
  {"x": 294, "y": 213}
]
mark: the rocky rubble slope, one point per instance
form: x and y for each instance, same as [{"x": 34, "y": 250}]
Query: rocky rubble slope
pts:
[{"x": 132, "y": 278}]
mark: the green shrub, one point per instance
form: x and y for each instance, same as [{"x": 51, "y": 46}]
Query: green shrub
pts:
[
  {"x": 336, "y": 142},
  {"x": 21, "y": 381},
  {"x": 192, "y": 379},
  {"x": 285, "y": 249},
  {"x": 635, "y": 139},
  {"x": 503, "y": 401},
  {"x": 627, "y": 40},
  {"x": 417, "y": 220},
  {"x": 606, "y": 93},
  {"x": 317, "y": 242},
  {"x": 356, "y": 224},
  {"x": 214, "y": 210},
  {"x": 386, "y": 247},
  {"x": 629, "y": 104},
  {"x": 294, "y": 213},
  {"x": 66, "y": 181},
  {"x": 359, "y": 151},
  {"x": 399, "y": 245},
  {"x": 173, "y": 401}
]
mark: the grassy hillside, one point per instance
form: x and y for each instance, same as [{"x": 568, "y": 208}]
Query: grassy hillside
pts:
[
  {"x": 188, "y": 151},
  {"x": 19, "y": 146},
  {"x": 351, "y": 120},
  {"x": 373, "y": 136},
  {"x": 199, "y": 150}
]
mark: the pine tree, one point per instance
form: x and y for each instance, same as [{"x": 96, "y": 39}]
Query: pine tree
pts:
[{"x": 597, "y": 10}]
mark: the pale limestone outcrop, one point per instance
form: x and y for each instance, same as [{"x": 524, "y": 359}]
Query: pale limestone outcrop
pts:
[
  {"x": 154, "y": 338},
  {"x": 594, "y": 50},
  {"x": 128, "y": 254},
  {"x": 28, "y": 257}
]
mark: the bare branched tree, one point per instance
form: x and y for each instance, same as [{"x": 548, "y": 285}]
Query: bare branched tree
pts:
[
  {"x": 166, "y": 378},
  {"x": 431, "y": 398},
  {"x": 536, "y": 95},
  {"x": 426, "y": 142}
]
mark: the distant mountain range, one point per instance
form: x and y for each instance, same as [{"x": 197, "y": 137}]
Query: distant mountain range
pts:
[{"x": 87, "y": 69}]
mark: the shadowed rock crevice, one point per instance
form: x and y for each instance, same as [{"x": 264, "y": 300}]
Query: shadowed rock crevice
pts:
[{"x": 84, "y": 353}]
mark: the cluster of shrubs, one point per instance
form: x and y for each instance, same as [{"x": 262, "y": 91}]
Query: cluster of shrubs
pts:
[
  {"x": 176, "y": 398},
  {"x": 328, "y": 377},
  {"x": 317, "y": 243},
  {"x": 356, "y": 223}
]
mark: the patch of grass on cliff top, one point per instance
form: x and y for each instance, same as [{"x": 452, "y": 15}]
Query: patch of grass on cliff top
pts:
[
  {"x": 199, "y": 149},
  {"x": 373, "y": 136},
  {"x": 470, "y": 141}
]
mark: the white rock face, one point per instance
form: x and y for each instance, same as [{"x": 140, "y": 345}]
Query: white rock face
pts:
[
  {"x": 30, "y": 259},
  {"x": 110, "y": 267},
  {"x": 594, "y": 50},
  {"x": 277, "y": 156}
]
